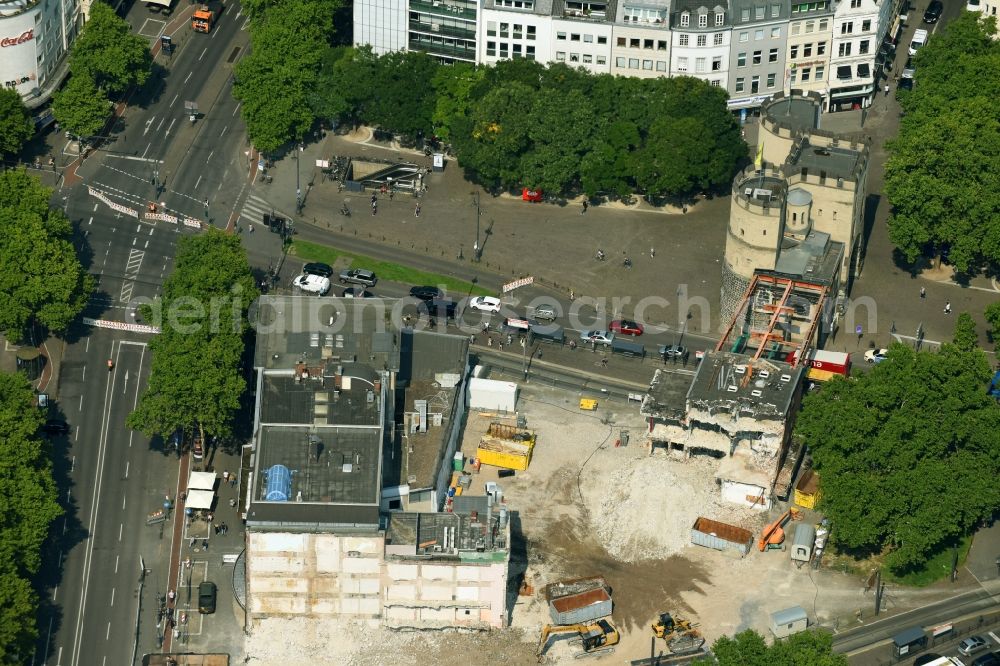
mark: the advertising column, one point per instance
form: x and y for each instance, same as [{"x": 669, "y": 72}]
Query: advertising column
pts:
[{"x": 18, "y": 60}]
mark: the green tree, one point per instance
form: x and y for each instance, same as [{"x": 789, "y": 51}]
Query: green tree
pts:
[
  {"x": 499, "y": 136},
  {"x": 195, "y": 381},
  {"x": 109, "y": 52},
  {"x": 992, "y": 314},
  {"x": 453, "y": 96},
  {"x": 552, "y": 162},
  {"x": 908, "y": 453},
  {"x": 80, "y": 107},
  {"x": 748, "y": 648},
  {"x": 966, "y": 337},
  {"x": 29, "y": 509},
  {"x": 401, "y": 104},
  {"x": 41, "y": 279},
  {"x": 15, "y": 122}
]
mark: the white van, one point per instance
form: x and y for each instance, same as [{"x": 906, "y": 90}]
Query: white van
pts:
[{"x": 919, "y": 39}]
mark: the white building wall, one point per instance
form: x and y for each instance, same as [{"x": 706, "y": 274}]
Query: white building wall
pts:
[
  {"x": 810, "y": 41},
  {"x": 855, "y": 47},
  {"x": 585, "y": 44},
  {"x": 687, "y": 57},
  {"x": 33, "y": 43},
  {"x": 527, "y": 36},
  {"x": 381, "y": 24},
  {"x": 640, "y": 51}
]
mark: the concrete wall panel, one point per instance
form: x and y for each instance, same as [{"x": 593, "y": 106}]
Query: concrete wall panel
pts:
[{"x": 402, "y": 571}]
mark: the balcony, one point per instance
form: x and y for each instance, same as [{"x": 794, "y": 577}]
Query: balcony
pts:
[
  {"x": 443, "y": 9},
  {"x": 446, "y": 51},
  {"x": 441, "y": 29}
]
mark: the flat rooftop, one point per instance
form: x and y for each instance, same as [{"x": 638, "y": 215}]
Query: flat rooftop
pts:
[
  {"x": 816, "y": 258},
  {"x": 798, "y": 113},
  {"x": 666, "y": 396},
  {"x": 349, "y": 395},
  {"x": 475, "y": 525},
  {"x": 732, "y": 383},
  {"x": 833, "y": 161}
]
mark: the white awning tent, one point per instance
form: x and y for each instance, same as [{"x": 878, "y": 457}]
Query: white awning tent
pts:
[
  {"x": 199, "y": 499},
  {"x": 162, "y": 3},
  {"x": 202, "y": 481}
]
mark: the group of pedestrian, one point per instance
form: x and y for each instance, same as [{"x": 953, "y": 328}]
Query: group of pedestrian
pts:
[{"x": 221, "y": 528}]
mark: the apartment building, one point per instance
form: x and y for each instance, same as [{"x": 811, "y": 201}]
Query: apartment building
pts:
[
  {"x": 445, "y": 29},
  {"x": 700, "y": 41},
  {"x": 861, "y": 48},
  {"x": 757, "y": 57},
  {"x": 35, "y": 38},
  {"x": 810, "y": 35},
  {"x": 641, "y": 39}
]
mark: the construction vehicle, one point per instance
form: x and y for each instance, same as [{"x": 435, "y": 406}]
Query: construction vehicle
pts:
[
  {"x": 596, "y": 638},
  {"x": 202, "y": 19},
  {"x": 773, "y": 536},
  {"x": 680, "y": 635}
]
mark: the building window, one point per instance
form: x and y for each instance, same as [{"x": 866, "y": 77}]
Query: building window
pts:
[
  {"x": 720, "y": 18},
  {"x": 756, "y": 57},
  {"x": 529, "y": 52},
  {"x": 647, "y": 43},
  {"x": 793, "y": 52},
  {"x": 847, "y": 27},
  {"x": 504, "y": 29},
  {"x": 504, "y": 50},
  {"x": 821, "y": 49},
  {"x": 810, "y": 26},
  {"x": 602, "y": 60},
  {"x": 791, "y": 78},
  {"x": 531, "y": 32},
  {"x": 845, "y": 49},
  {"x": 855, "y": 4},
  {"x": 741, "y": 59},
  {"x": 754, "y": 84},
  {"x": 866, "y": 25},
  {"x": 740, "y": 82},
  {"x": 758, "y": 34},
  {"x": 807, "y": 50},
  {"x": 770, "y": 80},
  {"x": 634, "y": 42},
  {"x": 633, "y": 63},
  {"x": 702, "y": 40},
  {"x": 795, "y": 28},
  {"x": 775, "y": 33},
  {"x": 823, "y": 23},
  {"x": 717, "y": 64},
  {"x": 699, "y": 65},
  {"x": 620, "y": 42},
  {"x": 744, "y": 36},
  {"x": 589, "y": 39},
  {"x": 561, "y": 35},
  {"x": 806, "y": 72},
  {"x": 661, "y": 45},
  {"x": 745, "y": 15},
  {"x": 772, "y": 55},
  {"x": 560, "y": 55},
  {"x": 661, "y": 66},
  {"x": 819, "y": 73},
  {"x": 716, "y": 83},
  {"x": 717, "y": 39},
  {"x": 602, "y": 40},
  {"x": 574, "y": 57},
  {"x": 863, "y": 46},
  {"x": 588, "y": 59},
  {"x": 685, "y": 20},
  {"x": 491, "y": 49},
  {"x": 775, "y": 11},
  {"x": 517, "y": 32},
  {"x": 647, "y": 65},
  {"x": 682, "y": 64},
  {"x": 574, "y": 37},
  {"x": 702, "y": 20},
  {"x": 491, "y": 28},
  {"x": 682, "y": 40},
  {"x": 516, "y": 50},
  {"x": 620, "y": 62},
  {"x": 758, "y": 13}
]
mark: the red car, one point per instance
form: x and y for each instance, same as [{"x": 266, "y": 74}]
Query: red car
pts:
[{"x": 626, "y": 327}]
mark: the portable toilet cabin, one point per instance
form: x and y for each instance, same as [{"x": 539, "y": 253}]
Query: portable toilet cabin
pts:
[
  {"x": 789, "y": 621},
  {"x": 802, "y": 543}
]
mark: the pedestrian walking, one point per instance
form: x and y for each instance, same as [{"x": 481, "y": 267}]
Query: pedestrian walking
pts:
[
  {"x": 192, "y": 542},
  {"x": 585, "y": 206},
  {"x": 171, "y": 595},
  {"x": 416, "y": 211},
  {"x": 204, "y": 544},
  {"x": 947, "y": 307},
  {"x": 604, "y": 362},
  {"x": 652, "y": 253},
  {"x": 251, "y": 227},
  {"x": 489, "y": 341},
  {"x": 374, "y": 208},
  {"x": 225, "y": 476},
  {"x": 923, "y": 293},
  {"x": 225, "y": 528},
  {"x": 217, "y": 529},
  {"x": 232, "y": 480},
  {"x": 886, "y": 89}
]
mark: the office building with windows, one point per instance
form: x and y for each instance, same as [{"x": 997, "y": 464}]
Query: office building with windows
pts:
[
  {"x": 35, "y": 38},
  {"x": 856, "y": 57},
  {"x": 641, "y": 39},
  {"x": 700, "y": 42},
  {"x": 757, "y": 57},
  {"x": 445, "y": 29}
]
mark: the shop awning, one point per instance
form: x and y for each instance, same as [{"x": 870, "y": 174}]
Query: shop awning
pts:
[
  {"x": 202, "y": 481},
  {"x": 199, "y": 499}
]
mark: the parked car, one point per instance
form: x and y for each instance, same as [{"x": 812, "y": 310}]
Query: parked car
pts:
[
  {"x": 919, "y": 39},
  {"x": 672, "y": 351},
  {"x": 485, "y": 304},
  {"x": 358, "y": 276},
  {"x": 55, "y": 427},
  {"x": 988, "y": 659},
  {"x": 972, "y": 645},
  {"x": 925, "y": 659},
  {"x": 973, "y": 6},
  {"x": 207, "y": 595},
  {"x": 876, "y": 355},
  {"x": 441, "y": 308},
  {"x": 545, "y": 311},
  {"x": 933, "y": 12},
  {"x": 426, "y": 293},
  {"x": 626, "y": 327},
  {"x": 313, "y": 284},
  {"x": 597, "y": 337},
  {"x": 318, "y": 268},
  {"x": 908, "y": 69},
  {"x": 357, "y": 292}
]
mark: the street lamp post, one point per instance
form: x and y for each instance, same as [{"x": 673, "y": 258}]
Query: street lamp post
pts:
[
  {"x": 476, "y": 249},
  {"x": 298, "y": 187}
]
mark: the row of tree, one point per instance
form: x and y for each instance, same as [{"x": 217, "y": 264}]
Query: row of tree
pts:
[
  {"x": 106, "y": 60},
  {"x": 29, "y": 509},
  {"x": 748, "y": 648},
  {"x": 943, "y": 173},
  {"x": 908, "y": 453},
  {"x": 195, "y": 382}
]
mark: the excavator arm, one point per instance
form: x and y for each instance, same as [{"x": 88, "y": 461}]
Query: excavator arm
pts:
[{"x": 550, "y": 630}]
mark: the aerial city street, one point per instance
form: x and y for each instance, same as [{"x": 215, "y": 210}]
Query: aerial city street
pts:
[{"x": 500, "y": 332}]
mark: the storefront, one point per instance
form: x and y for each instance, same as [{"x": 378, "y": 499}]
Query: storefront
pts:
[{"x": 31, "y": 59}]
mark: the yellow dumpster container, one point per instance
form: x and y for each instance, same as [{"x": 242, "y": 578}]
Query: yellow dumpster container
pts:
[{"x": 588, "y": 404}]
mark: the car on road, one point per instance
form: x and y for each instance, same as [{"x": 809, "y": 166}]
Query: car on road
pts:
[
  {"x": 918, "y": 41},
  {"x": 672, "y": 351},
  {"x": 972, "y": 645},
  {"x": 933, "y": 12},
  {"x": 876, "y": 355},
  {"x": 318, "y": 268},
  {"x": 988, "y": 659},
  {"x": 485, "y": 304},
  {"x": 357, "y": 292},
  {"x": 925, "y": 659},
  {"x": 626, "y": 327},
  {"x": 597, "y": 337},
  {"x": 55, "y": 427},
  {"x": 313, "y": 284},
  {"x": 545, "y": 311},
  {"x": 973, "y": 6},
  {"x": 904, "y": 84},
  {"x": 426, "y": 293},
  {"x": 908, "y": 69},
  {"x": 358, "y": 276},
  {"x": 207, "y": 595}
]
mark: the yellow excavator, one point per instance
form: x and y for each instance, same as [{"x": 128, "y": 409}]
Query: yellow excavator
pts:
[
  {"x": 680, "y": 635},
  {"x": 597, "y": 638}
]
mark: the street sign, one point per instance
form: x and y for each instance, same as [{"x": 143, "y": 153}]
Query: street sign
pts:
[{"x": 323, "y": 164}]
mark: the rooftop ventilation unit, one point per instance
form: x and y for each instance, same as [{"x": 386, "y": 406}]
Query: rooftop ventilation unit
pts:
[
  {"x": 732, "y": 388},
  {"x": 764, "y": 374},
  {"x": 278, "y": 487},
  {"x": 740, "y": 369},
  {"x": 786, "y": 378},
  {"x": 755, "y": 393}
]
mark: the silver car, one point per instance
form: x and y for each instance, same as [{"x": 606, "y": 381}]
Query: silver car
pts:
[
  {"x": 545, "y": 312},
  {"x": 597, "y": 337}
]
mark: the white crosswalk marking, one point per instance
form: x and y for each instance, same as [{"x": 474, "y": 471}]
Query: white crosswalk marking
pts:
[
  {"x": 131, "y": 273},
  {"x": 254, "y": 209}
]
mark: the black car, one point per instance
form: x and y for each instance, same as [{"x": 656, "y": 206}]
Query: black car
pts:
[
  {"x": 356, "y": 292},
  {"x": 988, "y": 659},
  {"x": 926, "y": 659},
  {"x": 426, "y": 293},
  {"x": 55, "y": 427},
  {"x": 318, "y": 268},
  {"x": 207, "y": 593},
  {"x": 933, "y": 12},
  {"x": 904, "y": 84}
]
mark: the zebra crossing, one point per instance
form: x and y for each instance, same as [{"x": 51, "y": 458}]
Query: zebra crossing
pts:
[
  {"x": 255, "y": 208},
  {"x": 131, "y": 274}
]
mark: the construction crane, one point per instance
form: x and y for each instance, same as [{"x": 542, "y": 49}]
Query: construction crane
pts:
[
  {"x": 680, "y": 635},
  {"x": 597, "y": 638},
  {"x": 773, "y": 535}
]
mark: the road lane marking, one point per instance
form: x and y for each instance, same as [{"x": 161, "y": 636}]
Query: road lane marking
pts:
[
  {"x": 197, "y": 182},
  {"x": 159, "y": 125},
  {"x": 116, "y": 563},
  {"x": 173, "y": 100},
  {"x": 167, "y": 133},
  {"x": 223, "y": 132},
  {"x": 80, "y": 409},
  {"x": 147, "y": 149},
  {"x": 107, "y": 632},
  {"x": 199, "y": 59},
  {"x": 134, "y": 159},
  {"x": 188, "y": 76},
  {"x": 210, "y": 156},
  {"x": 112, "y": 597},
  {"x": 148, "y": 123},
  {"x": 121, "y": 531},
  {"x": 237, "y": 108}
]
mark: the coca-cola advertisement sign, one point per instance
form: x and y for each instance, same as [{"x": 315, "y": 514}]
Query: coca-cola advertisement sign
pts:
[{"x": 25, "y": 36}]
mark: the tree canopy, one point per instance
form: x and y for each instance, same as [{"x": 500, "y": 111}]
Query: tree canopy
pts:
[
  {"x": 195, "y": 381},
  {"x": 29, "y": 507},
  {"x": 109, "y": 52},
  {"x": 15, "y": 122},
  {"x": 943, "y": 173},
  {"x": 908, "y": 452},
  {"x": 80, "y": 107},
  {"x": 748, "y": 648},
  {"x": 41, "y": 278}
]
